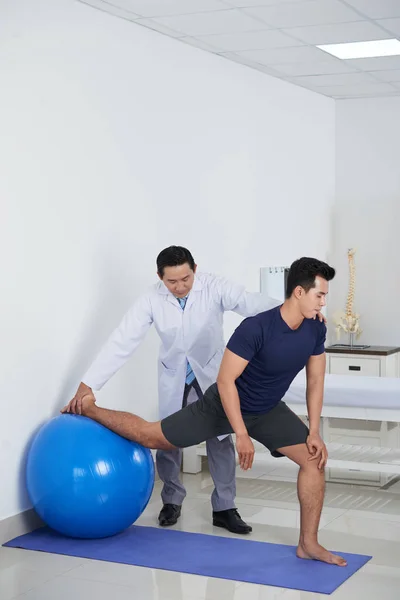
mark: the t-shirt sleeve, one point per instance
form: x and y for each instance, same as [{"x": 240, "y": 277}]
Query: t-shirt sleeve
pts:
[
  {"x": 246, "y": 340},
  {"x": 320, "y": 341}
]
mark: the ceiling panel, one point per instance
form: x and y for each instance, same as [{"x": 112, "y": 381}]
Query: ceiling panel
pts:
[
  {"x": 157, "y": 8},
  {"x": 152, "y": 24},
  {"x": 377, "y": 9},
  {"x": 199, "y": 43},
  {"x": 354, "y": 91},
  {"x": 279, "y": 37},
  {"x": 280, "y": 56},
  {"x": 316, "y": 81},
  {"x": 393, "y": 75},
  {"x": 225, "y": 21},
  {"x": 383, "y": 63},
  {"x": 339, "y": 33},
  {"x": 255, "y": 40},
  {"x": 112, "y": 8},
  {"x": 392, "y": 25},
  {"x": 316, "y": 68},
  {"x": 243, "y": 60},
  {"x": 303, "y": 14},
  {"x": 252, "y": 3}
]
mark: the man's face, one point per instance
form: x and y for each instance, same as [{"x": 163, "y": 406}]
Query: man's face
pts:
[
  {"x": 314, "y": 300},
  {"x": 179, "y": 280}
]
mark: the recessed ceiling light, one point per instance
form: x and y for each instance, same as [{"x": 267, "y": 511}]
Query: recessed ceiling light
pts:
[{"x": 363, "y": 49}]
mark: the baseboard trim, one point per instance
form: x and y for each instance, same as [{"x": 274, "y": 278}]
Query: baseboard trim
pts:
[
  {"x": 19, "y": 524},
  {"x": 24, "y": 522}
]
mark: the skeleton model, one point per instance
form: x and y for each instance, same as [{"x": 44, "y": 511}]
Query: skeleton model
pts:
[{"x": 349, "y": 321}]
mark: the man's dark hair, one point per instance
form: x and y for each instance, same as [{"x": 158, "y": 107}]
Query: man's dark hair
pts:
[
  {"x": 173, "y": 256},
  {"x": 304, "y": 271}
]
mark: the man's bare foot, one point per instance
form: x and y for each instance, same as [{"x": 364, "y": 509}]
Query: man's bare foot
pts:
[
  {"x": 313, "y": 551},
  {"x": 88, "y": 405},
  {"x": 85, "y": 406}
]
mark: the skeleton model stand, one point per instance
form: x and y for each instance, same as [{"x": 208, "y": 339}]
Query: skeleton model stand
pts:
[{"x": 348, "y": 321}]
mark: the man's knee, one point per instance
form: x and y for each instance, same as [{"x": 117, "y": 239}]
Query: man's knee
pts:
[
  {"x": 300, "y": 455},
  {"x": 311, "y": 467},
  {"x": 153, "y": 437}
]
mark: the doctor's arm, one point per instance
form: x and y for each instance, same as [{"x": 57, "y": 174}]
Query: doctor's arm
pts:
[
  {"x": 247, "y": 304},
  {"x": 116, "y": 351},
  {"x": 232, "y": 366}
]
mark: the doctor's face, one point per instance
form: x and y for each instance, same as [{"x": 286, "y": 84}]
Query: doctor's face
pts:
[{"x": 179, "y": 280}]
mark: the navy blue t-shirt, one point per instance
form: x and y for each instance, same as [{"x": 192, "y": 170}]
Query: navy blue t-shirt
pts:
[{"x": 276, "y": 354}]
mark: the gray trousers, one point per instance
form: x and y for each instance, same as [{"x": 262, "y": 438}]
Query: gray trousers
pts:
[{"x": 221, "y": 462}]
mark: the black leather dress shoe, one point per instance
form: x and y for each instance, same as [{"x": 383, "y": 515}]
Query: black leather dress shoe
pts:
[
  {"x": 231, "y": 520},
  {"x": 169, "y": 514}
]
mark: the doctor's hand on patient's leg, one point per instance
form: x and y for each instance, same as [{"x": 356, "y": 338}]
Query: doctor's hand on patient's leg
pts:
[{"x": 81, "y": 402}]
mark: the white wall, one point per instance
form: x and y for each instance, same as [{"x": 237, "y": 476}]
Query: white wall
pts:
[
  {"x": 367, "y": 214},
  {"x": 115, "y": 142}
]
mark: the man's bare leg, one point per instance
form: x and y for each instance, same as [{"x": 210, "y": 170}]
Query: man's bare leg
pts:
[
  {"x": 310, "y": 489},
  {"x": 126, "y": 425}
]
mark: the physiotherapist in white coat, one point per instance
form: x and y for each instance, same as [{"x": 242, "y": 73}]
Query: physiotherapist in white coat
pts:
[{"x": 187, "y": 311}]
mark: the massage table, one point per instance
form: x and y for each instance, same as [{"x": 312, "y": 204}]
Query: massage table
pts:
[{"x": 346, "y": 397}]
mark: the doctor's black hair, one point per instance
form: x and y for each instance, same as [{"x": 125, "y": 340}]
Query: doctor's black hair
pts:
[
  {"x": 304, "y": 271},
  {"x": 174, "y": 256}
]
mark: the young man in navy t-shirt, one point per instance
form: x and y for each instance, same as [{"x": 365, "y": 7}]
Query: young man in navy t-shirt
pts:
[{"x": 262, "y": 358}]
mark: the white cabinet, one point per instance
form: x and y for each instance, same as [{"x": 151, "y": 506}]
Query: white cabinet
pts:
[
  {"x": 342, "y": 365},
  {"x": 373, "y": 361}
]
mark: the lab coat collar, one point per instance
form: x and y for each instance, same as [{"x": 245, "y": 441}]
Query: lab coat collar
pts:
[{"x": 197, "y": 286}]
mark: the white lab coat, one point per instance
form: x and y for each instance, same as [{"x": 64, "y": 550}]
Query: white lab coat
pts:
[{"x": 195, "y": 334}]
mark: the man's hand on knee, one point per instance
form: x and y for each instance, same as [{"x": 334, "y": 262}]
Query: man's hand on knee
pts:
[{"x": 317, "y": 450}]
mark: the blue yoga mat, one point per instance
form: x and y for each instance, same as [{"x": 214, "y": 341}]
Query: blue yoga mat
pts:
[{"x": 199, "y": 554}]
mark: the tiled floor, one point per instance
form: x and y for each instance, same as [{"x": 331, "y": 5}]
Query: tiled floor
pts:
[{"x": 355, "y": 519}]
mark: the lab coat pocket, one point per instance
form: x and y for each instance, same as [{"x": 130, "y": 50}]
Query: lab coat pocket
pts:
[
  {"x": 211, "y": 367},
  {"x": 166, "y": 370},
  {"x": 171, "y": 384},
  {"x": 216, "y": 357},
  {"x": 167, "y": 381}
]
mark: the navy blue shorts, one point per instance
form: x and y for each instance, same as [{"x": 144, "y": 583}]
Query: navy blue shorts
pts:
[{"x": 206, "y": 419}]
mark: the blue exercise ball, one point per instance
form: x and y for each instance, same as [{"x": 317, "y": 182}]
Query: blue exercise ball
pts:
[{"x": 85, "y": 481}]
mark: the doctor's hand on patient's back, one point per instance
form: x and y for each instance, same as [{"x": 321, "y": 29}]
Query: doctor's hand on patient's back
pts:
[{"x": 75, "y": 405}]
